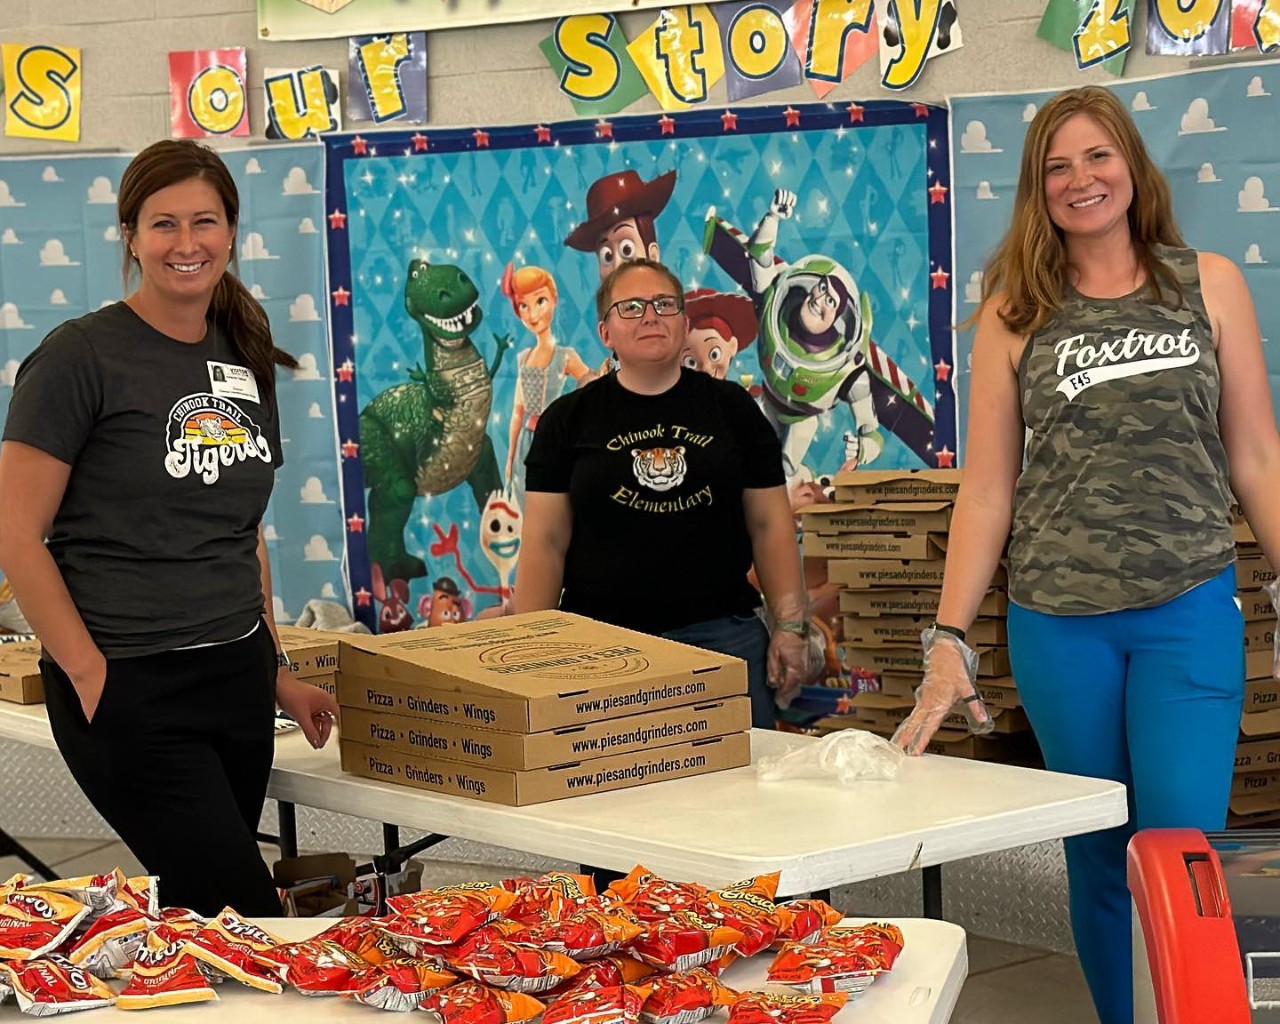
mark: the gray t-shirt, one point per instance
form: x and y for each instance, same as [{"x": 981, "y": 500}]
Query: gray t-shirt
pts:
[
  {"x": 173, "y": 453},
  {"x": 1124, "y": 501}
]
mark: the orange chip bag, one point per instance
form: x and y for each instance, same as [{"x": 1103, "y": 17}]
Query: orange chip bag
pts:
[
  {"x": 604, "y": 972},
  {"x": 857, "y": 932},
  {"x": 107, "y": 949},
  {"x": 317, "y": 967},
  {"x": 53, "y": 984},
  {"x": 685, "y": 998},
  {"x": 351, "y": 932},
  {"x": 443, "y": 917},
  {"x": 820, "y": 967},
  {"x": 229, "y": 944},
  {"x": 505, "y": 965},
  {"x": 652, "y": 898},
  {"x": 165, "y": 974},
  {"x": 584, "y": 933},
  {"x": 747, "y": 906},
  {"x": 403, "y": 983},
  {"x": 684, "y": 941},
  {"x": 549, "y": 897},
  {"x": 804, "y": 920},
  {"x": 35, "y": 921},
  {"x": 776, "y": 1008},
  {"x": 616, "y": 1004},
  {"x": 141, "y": 892},
  {"x": 469, "y": 1002},
  {"x": 496, "y": 900}
]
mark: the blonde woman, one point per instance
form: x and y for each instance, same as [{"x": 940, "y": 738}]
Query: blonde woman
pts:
[{"x": 1135, "y": 365}]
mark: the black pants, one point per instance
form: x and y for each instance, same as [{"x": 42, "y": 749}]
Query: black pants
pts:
[{"x": 177, "y": 760}]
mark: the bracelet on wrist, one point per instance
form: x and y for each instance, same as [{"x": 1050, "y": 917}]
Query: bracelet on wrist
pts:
[
  {"x": 282, "y": 660},
  {"x": 955, "y": 631},
  {"x": 800, "y": 627}
]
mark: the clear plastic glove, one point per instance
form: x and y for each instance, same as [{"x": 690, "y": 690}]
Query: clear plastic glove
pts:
[
  {"x": 788, "y": 663},
  {"x": 849, "y": 755},
  {"x": 950, "y": 678},
  {"x": 1273, "y": 592}
]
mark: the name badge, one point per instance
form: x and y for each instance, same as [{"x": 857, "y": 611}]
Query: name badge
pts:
[{"x": 227, "y": 380}]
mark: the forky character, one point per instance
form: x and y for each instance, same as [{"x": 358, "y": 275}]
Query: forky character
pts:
[{"x": 501, "y": 524}]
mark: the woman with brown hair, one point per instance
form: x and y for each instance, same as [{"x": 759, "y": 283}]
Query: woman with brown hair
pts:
[
  {"x": 138, "y": 457},
  {"x": 1132, "y": 366}
]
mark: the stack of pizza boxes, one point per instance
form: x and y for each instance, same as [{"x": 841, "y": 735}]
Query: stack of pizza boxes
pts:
[
  {"x": 313, "y": 654},
  {"x": 885, "y": 538},
  {"x": 1255, "y": 788},
  {"x": 528, "y": 708}
]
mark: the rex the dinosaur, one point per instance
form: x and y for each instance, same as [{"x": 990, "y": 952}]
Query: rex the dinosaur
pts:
[{"x": 428, "y": 436}]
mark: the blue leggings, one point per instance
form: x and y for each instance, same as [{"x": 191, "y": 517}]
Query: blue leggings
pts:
[{"x": 1149, "y": 697}]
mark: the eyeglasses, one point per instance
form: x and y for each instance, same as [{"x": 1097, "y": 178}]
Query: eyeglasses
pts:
[{"x": 633, "y": 309}]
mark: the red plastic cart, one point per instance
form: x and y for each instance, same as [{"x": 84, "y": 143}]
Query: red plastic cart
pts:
[{"x": 1206, "y": 926}]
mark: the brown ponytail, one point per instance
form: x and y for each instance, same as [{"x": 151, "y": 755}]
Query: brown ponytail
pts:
[
  {"x": 237, "y": 313},
  {"x": 244, "y": 321}
]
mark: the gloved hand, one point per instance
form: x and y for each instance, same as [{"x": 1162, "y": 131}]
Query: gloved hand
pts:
[
  {"x": 950, "y": 678},
  {"x": 1273, "y": 592}
]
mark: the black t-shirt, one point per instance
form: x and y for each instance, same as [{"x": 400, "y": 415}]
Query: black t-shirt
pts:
[
  {"x": 173, "y": 454},
  {"x": 655, "y": 483}
]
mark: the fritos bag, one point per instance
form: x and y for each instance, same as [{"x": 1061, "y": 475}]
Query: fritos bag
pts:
[
  {"x": 165, "y": 974},
  {"x": 35, "y": 921},
  {"x": 107, "y": 949},
  {"x": 229, "y": 944},
  {"x": 52, "y": 984}
]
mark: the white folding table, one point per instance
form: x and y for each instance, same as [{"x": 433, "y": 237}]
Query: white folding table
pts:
[
  {"x": 724, "y": 826},
  {"x": 922, "y": 988}
]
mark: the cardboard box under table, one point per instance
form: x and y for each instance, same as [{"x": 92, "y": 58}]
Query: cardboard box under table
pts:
[
  {"x": 20, "y": 681},
  {"x": 626, "y": 708}
]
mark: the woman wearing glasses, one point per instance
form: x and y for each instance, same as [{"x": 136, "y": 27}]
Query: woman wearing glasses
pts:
[{"x": 650, "y": 492}]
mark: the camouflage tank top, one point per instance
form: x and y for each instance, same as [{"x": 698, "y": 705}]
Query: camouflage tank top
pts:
[{"x": 1124, "y": 500}]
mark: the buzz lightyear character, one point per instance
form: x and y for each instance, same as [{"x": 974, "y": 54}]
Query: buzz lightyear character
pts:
[
  {"x": 815, "y": 346},
  {"x": 814, "y": 330}
]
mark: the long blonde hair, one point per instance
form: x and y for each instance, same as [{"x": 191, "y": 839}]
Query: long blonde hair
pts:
[{"x": 1030, "y": 265}]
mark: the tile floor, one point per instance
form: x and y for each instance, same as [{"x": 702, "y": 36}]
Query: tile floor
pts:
[{"x": 1004, "y": 979}]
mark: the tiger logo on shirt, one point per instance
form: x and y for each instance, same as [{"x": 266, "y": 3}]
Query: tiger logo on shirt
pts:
[{"x": 659, "y": 469}]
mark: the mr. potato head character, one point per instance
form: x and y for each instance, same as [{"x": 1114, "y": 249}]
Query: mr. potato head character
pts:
[
  {"x": 621, "y": 210},
  {"x": 720, "y": 326}
]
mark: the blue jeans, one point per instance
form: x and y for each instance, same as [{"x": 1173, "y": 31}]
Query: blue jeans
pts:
[
  {"x": 1150, "y": 697},
  {"x": 745, "y": 637}
]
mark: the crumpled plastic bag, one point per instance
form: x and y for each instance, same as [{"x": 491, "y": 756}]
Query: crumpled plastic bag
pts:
[{"x": 849, "y": 755}]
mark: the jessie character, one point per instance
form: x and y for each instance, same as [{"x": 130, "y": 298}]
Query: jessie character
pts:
[
  {"x": 720, "y": 326},
  {"x": 621, "y": 209}
]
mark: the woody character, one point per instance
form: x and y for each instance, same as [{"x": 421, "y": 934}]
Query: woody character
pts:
[{"x": 621, "y": 209}]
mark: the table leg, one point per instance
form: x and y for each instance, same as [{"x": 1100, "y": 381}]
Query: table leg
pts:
[
  {"x": 390, "y": 837},
  {"x": 931, "y": 880},
  {"x": 822, "y": 894},
  {"x": 11, "y": 847},
  {"x": 288, "y": 814}
]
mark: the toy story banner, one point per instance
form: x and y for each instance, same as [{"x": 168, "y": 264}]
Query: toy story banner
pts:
[
  {"x": 759, "y": 47},
  {"x": 463, "y": 271},
  {"x": 393, "y": 72},
  {"x": 61, "y": 257},
  {"x": 1203, "y": 129},
  {"x": 207, "y": 94},
  {"x": 41, "y": 91}
]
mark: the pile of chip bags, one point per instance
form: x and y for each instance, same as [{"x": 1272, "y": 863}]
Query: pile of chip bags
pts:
[{"x": 647, "y": 950}]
